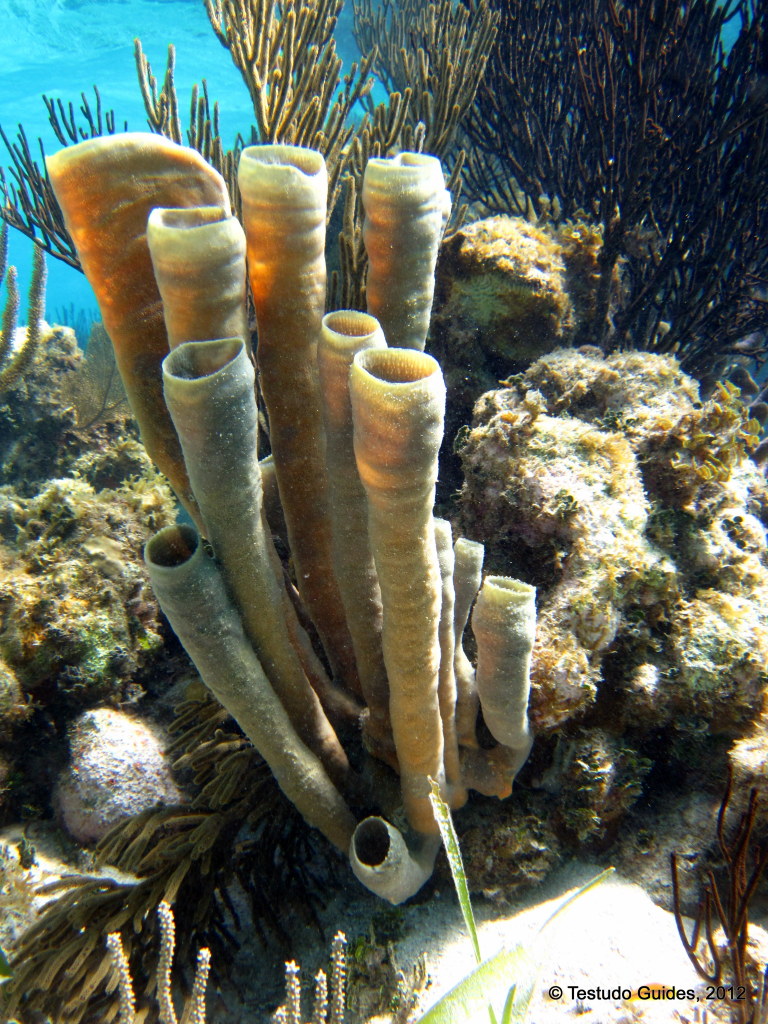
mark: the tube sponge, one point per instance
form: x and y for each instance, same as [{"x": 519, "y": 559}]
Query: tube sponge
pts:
[
  {"x": 457, "y": 793},
  {"x": 209, "y": 390},
  {"x": 284, "y": 193},
  {"x": 193, "y": 596},
  {"x": 398, "y": 407},
  {"x": 383, "y": 863},
  {"x": 406, "y": 207},
  {"x": 106, "y": 188},
  {"x": 198, "y": 256},
  {"x": 345, "y": 333},
  {"x": 504, "y": 624},
  {"x": 467, "y": 577}
]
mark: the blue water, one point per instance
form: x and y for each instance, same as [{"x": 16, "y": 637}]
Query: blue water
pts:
[{"x": 62, "y": 48}]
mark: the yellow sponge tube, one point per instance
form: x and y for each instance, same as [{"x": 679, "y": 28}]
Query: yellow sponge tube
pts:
[
  {"x": 398, "y": 408},
  {"x": 198, "y": 256},
  {"x": 284, "y": 193},
  {"x": 406, "y": 206},
  {"x": 345, "y": 333}
]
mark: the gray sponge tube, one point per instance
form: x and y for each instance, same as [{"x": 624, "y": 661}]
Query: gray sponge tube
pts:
[
  {"x": 209, "y": 390},
  {"x": 194, "y": 598},
  {"x": 381, "y": 860},
  {"x": 504, "y": 624}
]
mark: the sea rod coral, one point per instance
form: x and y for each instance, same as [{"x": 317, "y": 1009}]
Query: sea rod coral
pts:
[
  {"x": 17, "y": 352},
  {"x": 156, "y": 217}
]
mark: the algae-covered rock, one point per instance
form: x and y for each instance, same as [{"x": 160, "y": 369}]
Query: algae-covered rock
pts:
[
  {"x": 636, "y": 510},
  {"x": 506, "y": 292},
  {"x": 501, "y": 289},
  {"x": 596, "y": 777},
  {"x": 77, "y": 615},
  {"x": 14, "y": 706},
  {"x": 508, "y": 854}
]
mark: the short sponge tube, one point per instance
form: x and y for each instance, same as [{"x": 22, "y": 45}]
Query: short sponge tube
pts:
[
  {"x": 467, "y": 579},
  {"x": 382, "y": 862},
  {"x": 193, "y": 596},
  {"x": 504, "y": 625},
  {"x": 198, "y": 255}
]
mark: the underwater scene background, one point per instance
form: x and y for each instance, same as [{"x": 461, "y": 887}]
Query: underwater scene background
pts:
[{"x": 384, "y": 444}]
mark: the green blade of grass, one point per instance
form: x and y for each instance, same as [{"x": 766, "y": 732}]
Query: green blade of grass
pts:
[
  {"x": 488, "y": 985},
  {"x": 451, "y": 844},
  {"x": 5, "y": 968}
]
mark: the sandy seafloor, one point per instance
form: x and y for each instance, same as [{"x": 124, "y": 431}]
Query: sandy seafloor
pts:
[{"x": 612, "y": 937}]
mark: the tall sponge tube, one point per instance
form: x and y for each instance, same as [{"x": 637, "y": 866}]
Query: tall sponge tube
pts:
[
  {"x": 398, "y": 408},
  {"x": 406, "y": 207},
  {"x": 284, "y": 193},
  {"x": 345, "y": 333}
]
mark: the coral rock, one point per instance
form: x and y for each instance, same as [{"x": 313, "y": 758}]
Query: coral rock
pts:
[
  {"x": 635, "y": 508},
  {"x": 562, "y": 474},
  {"x": 76, "y": 612},
  {"x": 501, "y": 281},
  {"x": 509, "y": 854}
]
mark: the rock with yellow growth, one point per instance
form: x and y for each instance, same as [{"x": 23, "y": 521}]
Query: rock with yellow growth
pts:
[
  {"x": 506, "y": 292},
  {"x": 503, "y": 280},
  {"x": 636, "y": 510},
  {"x": 77, "y": 613}
]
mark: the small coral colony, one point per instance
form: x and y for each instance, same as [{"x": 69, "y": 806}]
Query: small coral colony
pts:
[{"x": 452, "y": 513}]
